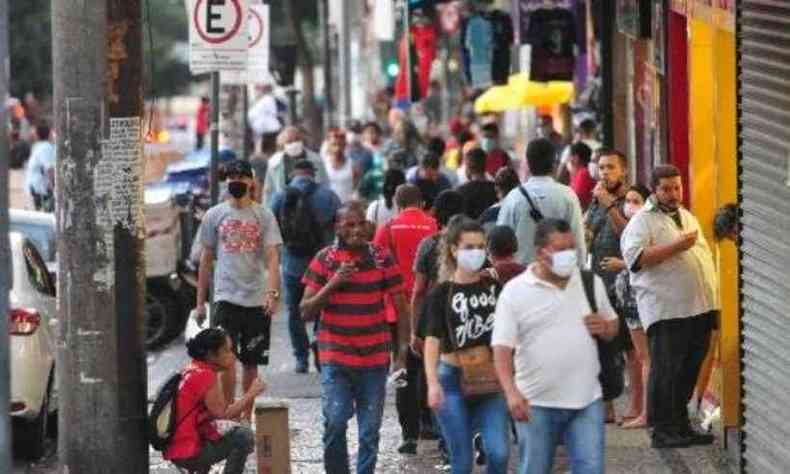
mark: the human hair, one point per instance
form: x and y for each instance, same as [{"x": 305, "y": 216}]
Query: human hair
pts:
[
  {"x": 436, "y": 145},
  {"x": 465, "y": 136},
  {"x": 582, "y": 151},
  {"x": 375, "y": 126},
  {"x": 476, "y": 161},
  {"x": 642, "y": 190},
  {"x": 726, "y": 221},
  {"x": 662, "y": 172},
  {"x": 407, "y": 195},
  {"x": 540, "y": 157},
  {"x": 206, "y": 342},
  {"x": 455, "y": 231},
  {"x": 491, "y": 127},
  {"x": 601, "y": 152},
  {"x": 392, "y": 179},
  {"x": 350, "y": 207},
  {"x": 587, "y": 127},
  {"x": 502, "y": 241},
  {"x": 42, "y": 131},
  {"x": 429, "y": 160},
  {"x": 506, "y": 180},
  {"x": 447, "y": 204},
  {"x": 546, "y": 228}
]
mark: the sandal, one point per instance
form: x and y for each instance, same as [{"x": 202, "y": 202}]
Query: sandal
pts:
[{"x": 635, "y": 424}]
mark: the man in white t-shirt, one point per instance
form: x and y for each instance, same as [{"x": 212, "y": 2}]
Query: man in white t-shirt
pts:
[{"x": 546, "y": 355}]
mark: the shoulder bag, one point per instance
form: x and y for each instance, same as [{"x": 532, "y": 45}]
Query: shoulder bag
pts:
[{"x": 478, "y": 375}]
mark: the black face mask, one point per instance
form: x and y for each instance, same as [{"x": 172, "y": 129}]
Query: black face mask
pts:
[{"x": 237, "y": 189}]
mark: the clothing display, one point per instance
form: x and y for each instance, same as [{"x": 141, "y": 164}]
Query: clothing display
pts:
[
  {"x": 486, "y": 39},
  {"x": 419, "y": 49},
  {"x": 552, "y": 34}
]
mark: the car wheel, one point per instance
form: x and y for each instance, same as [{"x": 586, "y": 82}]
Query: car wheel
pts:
[
  {"x": 161, "y": 317},
  {"x": 32, "y": 437}
]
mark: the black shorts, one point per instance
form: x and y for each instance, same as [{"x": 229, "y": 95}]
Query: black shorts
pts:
[{"x": 249, "y": 330}]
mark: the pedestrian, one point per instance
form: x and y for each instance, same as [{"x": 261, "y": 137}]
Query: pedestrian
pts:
[
  {"x": 204, "y": 434},
  {"x": 241, "y": 243},
  {"x": 202, "y": 122},
  {"x": 547, "y": 357},
  {"x": 429, "y": 179},
  {"x": 604, "y": 222},
  {"x": 586, "y": 134},
  {"x": 343, "y": 177},
  {"x": 496, "y": 157},
  {"x": 347, "y": 283},
  {"x": 505, "y": 181},
  {"x": 436, "y": 146},
  {"x": 264, "y": 119},
  {"x": 306, "y": 212},
  {"x": 546, "y": 130},
  {"x": 479, "y": 192},
  {"x": 361, "y": 157},
  {"x": 401, "y": 236},
  {"x": 383, "y": 209},
  {"x": 502, "y": 246},
  {"x": 460, "y": 313},
  {"x": 404, "y": 139},
  {"x": 541, "y": 197},
  {"x": 674, "y": 279},
  {"x": 639, "y": 359},
  {"x": 40, "y": 170},
  {"x": 581, "y": 181},
  {"x": 280, "y": 168},
  {"x": 372, "y": 137}
]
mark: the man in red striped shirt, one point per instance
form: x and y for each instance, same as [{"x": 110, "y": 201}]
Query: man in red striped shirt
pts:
[{"x": 347, "y": 283}]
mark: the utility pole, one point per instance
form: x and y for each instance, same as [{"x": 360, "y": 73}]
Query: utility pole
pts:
[
  {"x": 101, "y": 365},
  {"x": 344, "y": 59},
  {"x": 5, "y": 257},
  {"x": 326, "y": 41}
]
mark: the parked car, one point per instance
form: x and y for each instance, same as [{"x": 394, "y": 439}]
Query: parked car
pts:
[
  {"x": 31, "y": 320},
  {"x": 40, "y": 228}
]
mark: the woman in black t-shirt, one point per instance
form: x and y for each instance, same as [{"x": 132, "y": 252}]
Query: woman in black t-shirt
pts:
[{"x": 465, "y": 305}]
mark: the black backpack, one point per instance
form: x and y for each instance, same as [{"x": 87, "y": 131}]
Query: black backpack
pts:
[
  {"x": 162, "y": 421},
  {"x": 299, "y": 228},
  {"x": 610, "y": 354}
]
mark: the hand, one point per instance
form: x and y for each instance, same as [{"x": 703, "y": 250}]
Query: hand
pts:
[
  {"x": 612, "y": 264},
  {"x": 200, "y": 313},
  {"x": 687, "y": 240},
  {"x": 342, "y": 275},
  {"x": 489, "y": 273},
  {"x": 596, "y": 325},
  {"x": 435, "y": 396},
  {"x": 258, "y": 387},
  {"x": 417, "y": 344},
  {"x": 604, "y": 197},
  {"x": 518, "y": 406},
  {"x": 271, "y": 304}
]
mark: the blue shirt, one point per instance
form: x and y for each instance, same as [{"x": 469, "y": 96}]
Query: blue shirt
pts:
[
  {"x": 42, "y": 160},
  {"x": 324, "y": 203}
]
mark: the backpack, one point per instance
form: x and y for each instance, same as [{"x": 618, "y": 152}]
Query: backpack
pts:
[
  {"x": 162, "y": 421},
  {"x": 299, "y": 228},
  {"x": 610, "y": 354}
]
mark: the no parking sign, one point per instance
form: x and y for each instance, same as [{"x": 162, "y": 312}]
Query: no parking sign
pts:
[{"x": 218, "y": 35}]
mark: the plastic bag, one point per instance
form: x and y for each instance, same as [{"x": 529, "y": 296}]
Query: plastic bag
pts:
[{"x": 194, "y": 326}]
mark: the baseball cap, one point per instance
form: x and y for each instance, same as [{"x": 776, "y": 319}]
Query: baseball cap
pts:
[{"x": 238, "y": 169}]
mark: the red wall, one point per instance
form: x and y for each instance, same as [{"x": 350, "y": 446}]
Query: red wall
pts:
[{"x": 678, "y": 97}]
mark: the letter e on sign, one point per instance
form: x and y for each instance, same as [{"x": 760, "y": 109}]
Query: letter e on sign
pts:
[{"x": 216, "y": 21}]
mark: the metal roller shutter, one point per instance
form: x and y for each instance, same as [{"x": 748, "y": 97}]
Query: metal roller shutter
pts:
[{"x": 764, "y": 106}]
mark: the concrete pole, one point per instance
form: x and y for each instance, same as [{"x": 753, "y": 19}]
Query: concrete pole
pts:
[
  {"x": 5, "y": 257},
  {"x": 344, "y": 62},
  {"x": 326, "y": 45},
  {"x": 101, "y": 365}
]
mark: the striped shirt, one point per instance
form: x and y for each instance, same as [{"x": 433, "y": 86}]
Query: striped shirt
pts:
[{"x": 354, "y": 332}]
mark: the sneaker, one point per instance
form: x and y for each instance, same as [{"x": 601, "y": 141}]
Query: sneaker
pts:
[
  {"x": 668, "y": 440},
  {"x": 408, "y": 446},
  {"x": 398, "y": 379},
  {"x": 480, "y": 457},
  {"x": 696, "y": 438},
  {"x": 301, "y": 367}
]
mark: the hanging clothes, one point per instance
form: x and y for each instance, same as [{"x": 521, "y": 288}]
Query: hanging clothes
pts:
[
  {"x": 503, "y": 39},
  {"x": 423, "y": 52},
  {"x": 479, "y": 44},
  {"x": 552, "y": 34}
]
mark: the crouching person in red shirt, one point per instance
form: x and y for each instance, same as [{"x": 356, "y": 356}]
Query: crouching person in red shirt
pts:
[{"x": 202, "y": 438}]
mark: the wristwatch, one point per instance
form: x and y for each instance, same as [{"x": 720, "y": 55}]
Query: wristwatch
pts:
[{"x": 274, "y": 293}]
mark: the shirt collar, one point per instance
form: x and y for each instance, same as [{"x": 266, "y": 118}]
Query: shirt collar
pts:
[{"x": 540, "y": 179}]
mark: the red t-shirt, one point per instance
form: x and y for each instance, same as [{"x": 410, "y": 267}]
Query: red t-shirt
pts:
[
  {"x": 496, "y": 160},
  {"x": 202, "y": 122},
  {"x": 194, "y": 423},
  {"x": 583, "y": 185},
  {"x": 354, "y": 331}
]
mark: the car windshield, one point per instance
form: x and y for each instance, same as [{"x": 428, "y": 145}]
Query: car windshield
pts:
[{"x": 42, "y": 236}]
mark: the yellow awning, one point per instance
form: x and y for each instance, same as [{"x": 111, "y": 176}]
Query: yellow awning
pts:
[{"x": 520, "y": 92}]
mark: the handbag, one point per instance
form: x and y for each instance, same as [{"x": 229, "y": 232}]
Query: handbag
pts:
[{"x": 478, "y": 375}]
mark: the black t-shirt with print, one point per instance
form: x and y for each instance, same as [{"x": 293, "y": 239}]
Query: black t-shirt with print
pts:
[{"x": 470, "y": 315}]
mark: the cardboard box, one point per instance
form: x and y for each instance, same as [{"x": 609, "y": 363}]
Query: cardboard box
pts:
[{"x": 272, "y": 437}]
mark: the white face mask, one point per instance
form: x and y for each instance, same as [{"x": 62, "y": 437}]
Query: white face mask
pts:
[
  {"x": 471, "y": 260},
  {"x": 593, "y": 169},
  {"x": 630, "y": 210},
  {"x": 563, "y": 263},
  {"x": 294, "y": 149}
]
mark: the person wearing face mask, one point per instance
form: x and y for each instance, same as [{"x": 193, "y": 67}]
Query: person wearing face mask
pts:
[
  {"x": 496, "y": 157},
  {"x": 281, "y": 164},
  {"x": 460, "y": 317},
  {"x": 241, "y": 243},
  {"x": 675, "y": 282},
  {"x": 546, "y": 355},
  {"x": 605, "y": 221}
]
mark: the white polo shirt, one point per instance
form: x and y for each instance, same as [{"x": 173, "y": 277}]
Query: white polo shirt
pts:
[
  {"x": 556, "y": 358},
  {"x": 682, "y": 286}
]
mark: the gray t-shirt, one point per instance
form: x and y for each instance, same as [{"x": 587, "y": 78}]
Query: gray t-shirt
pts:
[{"x": 239, "y": 237}]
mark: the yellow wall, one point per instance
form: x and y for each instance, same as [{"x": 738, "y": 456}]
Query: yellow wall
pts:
[{"x": 713, "y": 174}]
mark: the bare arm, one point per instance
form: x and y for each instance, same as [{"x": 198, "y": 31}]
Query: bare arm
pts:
[
  {"x": 431, "y": 358},
  {"x": 222, "y": 409},
  {"x": 273, "y": 275},
  {"x": 204, "y": 275},
  {"x": 421, "y": 286},
  {"x": 314, "y": 300},
  {"x": 404, "y": 325}
]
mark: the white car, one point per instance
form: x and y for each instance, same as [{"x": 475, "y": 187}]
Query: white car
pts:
[{"x": 31, "y": 320}]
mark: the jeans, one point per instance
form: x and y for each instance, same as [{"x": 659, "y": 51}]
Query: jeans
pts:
[
  {"x": 583, "y": 431},
  {"x": 460, "y": 418},
  {"x": 344, "y": 392},
  {"x": 293, "y": 290},
  {"x": 235, "y": 446},
  {"x": 677, "y": 349}
]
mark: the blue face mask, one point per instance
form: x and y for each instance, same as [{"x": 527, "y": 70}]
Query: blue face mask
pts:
[{"x": 488, "y": 144}]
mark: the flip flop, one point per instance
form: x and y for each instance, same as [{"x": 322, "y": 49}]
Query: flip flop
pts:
[{"x": 634, "y": 424}]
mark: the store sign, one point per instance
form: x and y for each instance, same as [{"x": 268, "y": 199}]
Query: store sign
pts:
[{"x": 633, "y": 17}]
